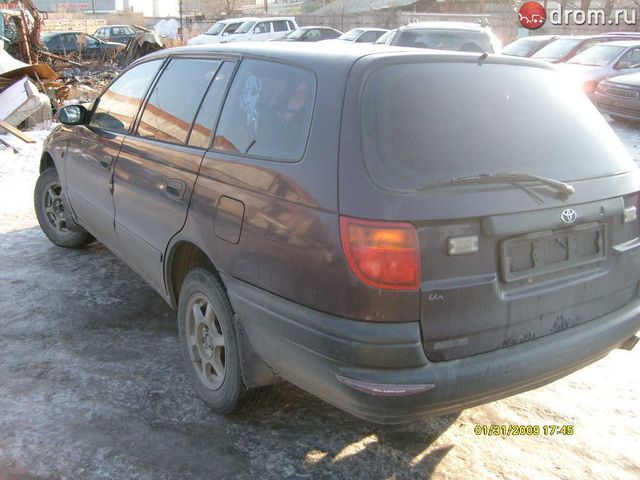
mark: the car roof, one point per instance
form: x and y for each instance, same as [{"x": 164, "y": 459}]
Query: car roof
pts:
[
  {"x": 622, "y": 43},
  {"x": 445, "y": 25},
  {"x": 235, "y": 20},
  {"x": 539, "y": 38},
  {"x": 316, "y": 56}
]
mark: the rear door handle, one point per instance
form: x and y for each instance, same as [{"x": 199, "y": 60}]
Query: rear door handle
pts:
[{"x": 174, "y": 189}]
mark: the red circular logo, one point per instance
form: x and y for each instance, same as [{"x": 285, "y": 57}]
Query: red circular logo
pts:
[{"x": 532, "y": 15}]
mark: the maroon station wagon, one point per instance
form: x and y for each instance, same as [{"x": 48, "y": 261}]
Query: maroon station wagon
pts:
[{"x": 399, "y": 232}]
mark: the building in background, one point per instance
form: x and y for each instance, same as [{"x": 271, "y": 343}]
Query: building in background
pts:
[{"x": 149, "y": 8}]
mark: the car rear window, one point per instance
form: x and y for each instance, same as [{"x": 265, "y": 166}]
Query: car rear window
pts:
[
  {"x": 267, "y": 112},
  {"x": 422, "y": 123}
]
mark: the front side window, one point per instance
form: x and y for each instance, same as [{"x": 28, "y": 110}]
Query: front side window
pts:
[
  {"x": 101, "y": 33},
  {"x": 267, "y": 112},
  {"x": 262, "y": 27},
  {"x": 175, "y": 98},
  {"x": 231, "y": 28},
  {"x": 119, "y": 104}
]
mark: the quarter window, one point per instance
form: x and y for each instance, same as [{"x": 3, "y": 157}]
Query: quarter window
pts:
[
  {"x": 175, "y": 98},
  {"x": 267, "y": 112},
  {"x": 119, "y": 104}
]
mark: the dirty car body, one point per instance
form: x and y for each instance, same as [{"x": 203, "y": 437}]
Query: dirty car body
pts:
[
  {"x": 379, "y": 248},
  {"x": 79, "y": 43}
]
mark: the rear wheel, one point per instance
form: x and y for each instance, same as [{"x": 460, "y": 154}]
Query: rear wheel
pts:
[
  {"x": 209, "y": 343},
  {"x": 52, "y": 214}
]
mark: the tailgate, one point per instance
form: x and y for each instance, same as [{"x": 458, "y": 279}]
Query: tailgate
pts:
[{"x": 506, "y": 279}]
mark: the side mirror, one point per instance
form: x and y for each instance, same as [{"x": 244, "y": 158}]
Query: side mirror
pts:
[
  {"x": 225, "y": 34},
  {"x": 74, "y": 115}
]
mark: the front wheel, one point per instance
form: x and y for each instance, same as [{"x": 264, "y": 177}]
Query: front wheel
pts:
[
  {"x": 209, "y": 343},
  {"x": 52, "y": 212}
]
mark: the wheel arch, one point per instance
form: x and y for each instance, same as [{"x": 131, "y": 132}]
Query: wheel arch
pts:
[
  {"x": 182, "y": 257},
  {"x": 46, "y": 161}
]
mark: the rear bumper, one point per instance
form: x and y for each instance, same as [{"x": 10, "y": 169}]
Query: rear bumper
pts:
[{"x": 313, "y": 350}]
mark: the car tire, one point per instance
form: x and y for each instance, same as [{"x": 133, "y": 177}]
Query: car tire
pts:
[
  {"x": 209, "y": 342},
  {"x": 52, "y": 214}
]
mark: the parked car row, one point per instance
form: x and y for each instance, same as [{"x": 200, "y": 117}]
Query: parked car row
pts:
[{"x": 606, "y": 66}]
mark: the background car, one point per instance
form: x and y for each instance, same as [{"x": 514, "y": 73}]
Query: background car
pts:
[
  {"x": 527, "y": 46},
  {"x": 565, "y": 48},
  {"x": 311, "y": 34},
  {"x": 118, "y": 33},
  {"x": 82, "y": 44},
  {"x": 218, "y": 31},
  {"x": 459, "y": 36},
  {"x": 603, "y": 61},
  {"x": 258, "y": 30},
  {"x": 361, "y": 35},
  {"x": 619, "y": 97}
]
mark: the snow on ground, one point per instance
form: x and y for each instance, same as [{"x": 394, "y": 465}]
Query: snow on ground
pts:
[
  {"x": 18, "y": 175},
  {"x": 91, "y": 386}
]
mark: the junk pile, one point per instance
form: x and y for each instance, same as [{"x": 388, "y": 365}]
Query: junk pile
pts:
[{"x": 34, "y": 82}]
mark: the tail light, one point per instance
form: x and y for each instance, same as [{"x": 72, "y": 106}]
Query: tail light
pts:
[{"x": 382, "y": 254}]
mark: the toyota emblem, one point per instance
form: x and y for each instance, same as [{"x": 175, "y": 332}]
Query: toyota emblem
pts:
[{"x": 568, "y": 215}]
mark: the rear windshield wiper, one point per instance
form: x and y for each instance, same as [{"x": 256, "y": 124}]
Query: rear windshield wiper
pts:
[{"x": 488, "y": 178}]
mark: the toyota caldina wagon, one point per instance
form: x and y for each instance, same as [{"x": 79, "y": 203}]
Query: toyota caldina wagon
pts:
[{"x": 399, "y": 232}]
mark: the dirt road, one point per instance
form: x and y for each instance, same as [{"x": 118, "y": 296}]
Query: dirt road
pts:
[{"x": 91, "y": 386}]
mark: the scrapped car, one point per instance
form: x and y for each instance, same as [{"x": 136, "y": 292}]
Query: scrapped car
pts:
[
  {"x": 527, "y": 46},
  {"x": 603, "y": 61},
  {"x": 619, "y": 97},
  {"x": 311, "y": 34},
  {"x": 218, "y": 31},
  {"x": 460, "y": 36},
  {"x": 118, "y": 33},
  {"x": 81, "y": 44},
  {"x": 261, "y": 29},
  {"x": 382, "y": 227}
]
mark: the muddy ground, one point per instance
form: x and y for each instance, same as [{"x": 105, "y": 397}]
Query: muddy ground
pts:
[{"x": 92, "y": 386}]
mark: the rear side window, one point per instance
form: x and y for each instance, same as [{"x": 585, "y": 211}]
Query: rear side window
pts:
[
  {"x": 280, "y": 26},
  {"x": 175, "y": 98},
  {"x": 478, "y": 119},
  {"x": 267, "y": 112},
  {"x": 119, "y": 104}
]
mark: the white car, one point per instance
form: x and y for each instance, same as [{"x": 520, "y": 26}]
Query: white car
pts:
[
  {"x": 218, "y": 31},
  {"x": 261, "y": 29}
]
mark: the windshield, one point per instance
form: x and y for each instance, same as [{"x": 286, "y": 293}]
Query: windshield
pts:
[
  {"x": 246, "y": 26},
  {"x": 521, "y": 47},
  {"x": 216, "y": 29},
  {"x": 598, "y": 55},
  {"x": 422, "y": 123},
  {"x": 351, "y": 35},
  {"x": 296, "y": 34},
  {"x": 558, "y": 49},
  {"x": 383, "y": 39}
]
